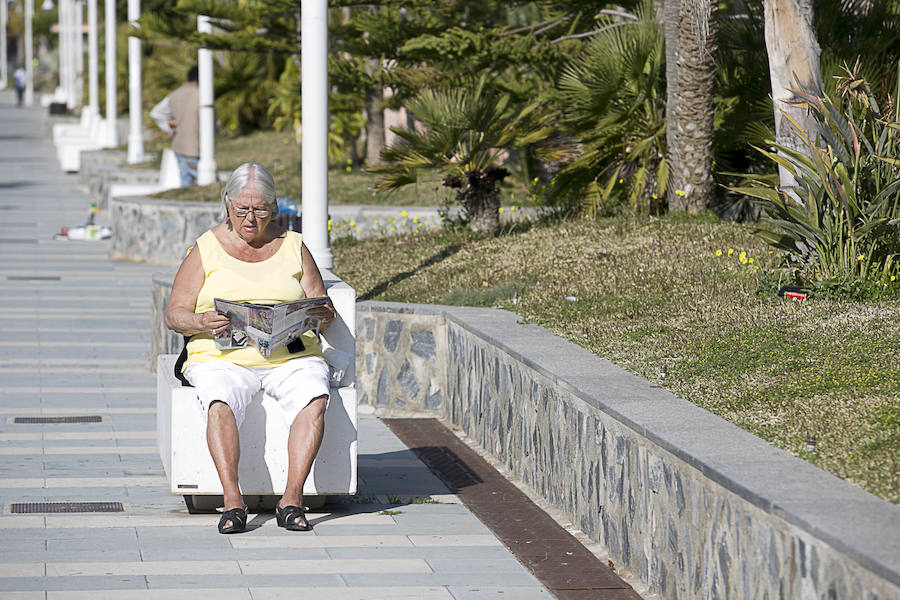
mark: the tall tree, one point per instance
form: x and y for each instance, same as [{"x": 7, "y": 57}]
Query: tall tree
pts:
[
  {"x": 690, "y": 77},
  {"x": 793, "y": 66}
]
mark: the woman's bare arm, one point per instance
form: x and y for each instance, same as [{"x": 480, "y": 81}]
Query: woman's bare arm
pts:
[{"x": 180, "y": 316}]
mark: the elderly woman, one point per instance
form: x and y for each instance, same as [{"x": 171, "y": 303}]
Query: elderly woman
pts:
[{"x": 248, "y": 258}]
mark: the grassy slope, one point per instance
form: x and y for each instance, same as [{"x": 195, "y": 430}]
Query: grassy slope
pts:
[{"x": 652, "y": 296}]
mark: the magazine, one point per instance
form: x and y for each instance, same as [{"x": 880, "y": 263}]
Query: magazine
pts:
[{"x": 266, "y": 327}]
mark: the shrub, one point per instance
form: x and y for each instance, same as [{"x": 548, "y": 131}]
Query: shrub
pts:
[{"x": 839, "y": 226}]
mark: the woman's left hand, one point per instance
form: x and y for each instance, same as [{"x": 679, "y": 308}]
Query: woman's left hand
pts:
[{"x": 325, "y": 314}]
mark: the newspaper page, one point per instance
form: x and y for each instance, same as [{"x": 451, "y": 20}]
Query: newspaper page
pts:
[{"x": 267, "y": 328}]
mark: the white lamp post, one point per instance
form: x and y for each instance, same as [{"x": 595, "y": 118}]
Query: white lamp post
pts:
[
  {"x": 93, "y": 67},
  {"x": 78, "y": 47},
  {"x": 4, "y": 68},
  {"x": 135, "y": 129},
  {"x": 206, "y": 165},
  {"x": 314, "y": 78},
  {"x": 29, "y": 54},
  {"x": 109, "y": 137}
]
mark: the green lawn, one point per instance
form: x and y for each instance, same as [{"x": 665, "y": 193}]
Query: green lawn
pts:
[{"x": 652, "y": 296}]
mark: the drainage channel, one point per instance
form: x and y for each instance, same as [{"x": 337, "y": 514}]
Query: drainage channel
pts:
[
  {"x": 552, "y": 554},
  {"x": 31, "y": 508}
]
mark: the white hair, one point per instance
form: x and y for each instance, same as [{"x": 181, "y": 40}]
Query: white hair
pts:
[{"x": 247, "y": 175}]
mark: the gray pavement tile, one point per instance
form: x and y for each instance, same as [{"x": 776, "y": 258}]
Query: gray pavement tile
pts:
[
  {"x": 113, "y": 582},
  {"x": 427, "y": 553},
  {"x": 114, "y": 555},
  {"x": 440, "y": 524},
  {"x": 468, "y": 592},
  {"x": 229, "y": 581},
  {"x": 476, "y": 565},
  {"x": 329, "y": 529},
  {"x": 200, "y": 553},
  {"x": 510, "y": 580}
]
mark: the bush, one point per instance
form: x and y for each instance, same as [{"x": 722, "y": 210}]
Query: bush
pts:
[{"x": 839, "y": 226}]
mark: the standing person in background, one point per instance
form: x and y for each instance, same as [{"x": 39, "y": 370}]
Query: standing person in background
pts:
[
  {"x": 179, "y": 114},
  {"x": 20, "y": 80}
]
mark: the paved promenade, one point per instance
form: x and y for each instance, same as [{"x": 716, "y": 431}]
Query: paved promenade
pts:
[{"x": 76, "y": 344}]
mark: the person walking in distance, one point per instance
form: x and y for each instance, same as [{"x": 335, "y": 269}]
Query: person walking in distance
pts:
[
  {"x": 20, "y": 81},
  {"x": 179, "y": 114}
]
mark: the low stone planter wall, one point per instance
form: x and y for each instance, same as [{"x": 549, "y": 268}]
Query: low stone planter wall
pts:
[
  {"x": 692, "y": 505},
  {"x": 162, "y": 340},
  {"x": 158, "y": 231},
  {"x": 93, "y": 159}
]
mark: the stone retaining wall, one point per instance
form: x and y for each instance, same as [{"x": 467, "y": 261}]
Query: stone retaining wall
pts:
[
  {"x": 158, "y": 231},
  {"x": 692, "y": 505},
  {"x": 93, "y": 159}
]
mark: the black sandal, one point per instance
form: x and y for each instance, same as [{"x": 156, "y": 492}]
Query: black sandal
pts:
[
  {"x": 238, "y": 518},
  {"x": 292, "y": 518}
]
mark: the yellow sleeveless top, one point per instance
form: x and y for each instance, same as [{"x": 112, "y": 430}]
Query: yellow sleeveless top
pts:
[{"x": 272, "y": 281}]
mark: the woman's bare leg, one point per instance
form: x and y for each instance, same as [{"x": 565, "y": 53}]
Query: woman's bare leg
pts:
[
  {"x": 303, "y": 444},
  {"x": 225, "y": 449}
]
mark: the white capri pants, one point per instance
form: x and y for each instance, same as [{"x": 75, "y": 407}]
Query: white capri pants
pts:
[{"x": 293, "y": 384}]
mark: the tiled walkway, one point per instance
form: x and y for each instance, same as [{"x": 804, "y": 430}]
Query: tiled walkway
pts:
[{"x": 75, "y": 331}]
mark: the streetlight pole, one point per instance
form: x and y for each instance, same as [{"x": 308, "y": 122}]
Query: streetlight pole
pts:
[
  {"x": 4, "y": 69},
  {"x": 135, "y": 129},
  {"x": 206, "y": 165},
  {"x": 29, "y": 53},
  {"x": 314, "y": 86},
  {"x": 93, "y": 78},
  {"x": 109, "y": 137}
]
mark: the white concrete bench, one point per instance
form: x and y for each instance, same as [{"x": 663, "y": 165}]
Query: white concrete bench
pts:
[
  {"x": 262, "y": 469},
  {"x": 169, "y": 178},
  {"x": 72, "y": 139}
]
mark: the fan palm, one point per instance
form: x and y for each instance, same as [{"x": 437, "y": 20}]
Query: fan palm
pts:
[
  {"x": 612, "y": 100},
  {"x": 465, "y": 133}
]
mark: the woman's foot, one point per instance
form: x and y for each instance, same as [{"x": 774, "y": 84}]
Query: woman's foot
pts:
[
  {"x": 291, "y": 518},
  {"x": 233, "y": 521}
]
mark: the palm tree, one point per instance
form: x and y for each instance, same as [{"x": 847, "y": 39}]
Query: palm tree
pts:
[
  {"x": 465, "y": 132},
  {"x": 690, "y": 77},
  {"x": 611, "y": 98}
]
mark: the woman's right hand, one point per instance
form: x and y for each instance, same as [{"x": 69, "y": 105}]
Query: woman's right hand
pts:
[{"x": 212, "y": 323}]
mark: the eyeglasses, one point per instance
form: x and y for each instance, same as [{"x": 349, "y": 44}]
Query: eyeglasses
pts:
[{"x": 259, "y": 213}]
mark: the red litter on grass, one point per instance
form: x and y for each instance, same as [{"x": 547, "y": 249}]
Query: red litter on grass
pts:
[{"x": 789, "y": 292}]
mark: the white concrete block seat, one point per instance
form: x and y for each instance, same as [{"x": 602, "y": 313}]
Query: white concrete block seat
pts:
[
  {"x": 169, "y": 178},
  {"x": 73, "y": 139},
  {"x": 262, "y": 470}
]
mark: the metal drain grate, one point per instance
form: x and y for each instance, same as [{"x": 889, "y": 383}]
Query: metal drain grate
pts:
[
  {"x": 33, "y": 278},
  {"x": 23, "y": 508},
  {"x": 36, "y": 420}
]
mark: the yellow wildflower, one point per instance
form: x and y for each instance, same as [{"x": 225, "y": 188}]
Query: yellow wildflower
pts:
[
  {"x": 352, "y": 224},
  {"x": 860, "y": 257},
  {"x": 730, "y": 251},
  {"x": 513, "y": 207},
  {"x": 742, "y": 257},
  {"x": 329, "y": 224},
  {"x": 750, "y": 260},
  {"x": 500, "y": 210},
  {"x": 403, "y": 214},
  {"x": 718, "y": 253},
  {"x": 415, "y": 219},
  {"x": 392, "y": 230}
]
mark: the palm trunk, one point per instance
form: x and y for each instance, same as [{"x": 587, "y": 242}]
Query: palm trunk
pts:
[
  {"x": 479, "y": 195},
  {"x": 690, "y": 30},
  {"x": 793, "y": 64},
  {"x": 374, "y": 127}
]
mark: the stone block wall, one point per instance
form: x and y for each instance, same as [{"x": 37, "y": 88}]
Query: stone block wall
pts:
[
  {"x": 692, "y": 505},
  {"x": 403, "y": 357},
  {"x": 158, "y": 231},
  {"x": 162, "y": 339},
  {"x": 94, "y": 159}
]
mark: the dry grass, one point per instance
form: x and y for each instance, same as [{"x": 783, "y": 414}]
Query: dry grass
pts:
[{"x": 652, "y": 296}]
